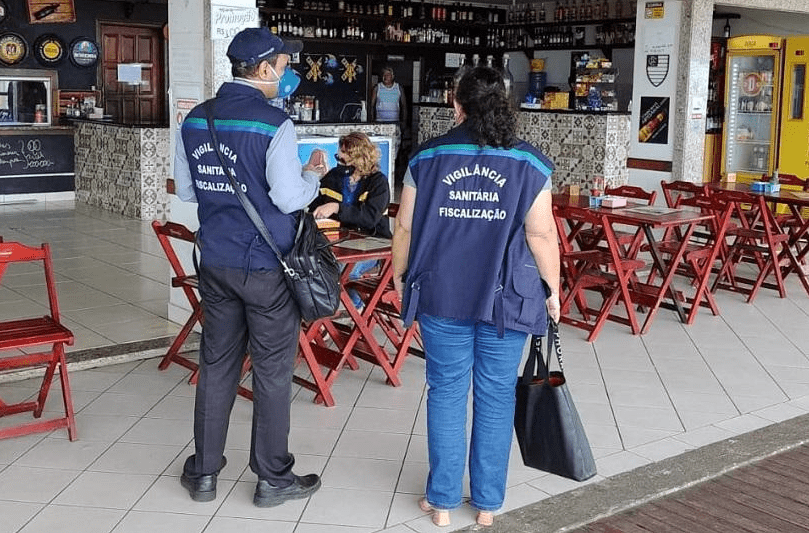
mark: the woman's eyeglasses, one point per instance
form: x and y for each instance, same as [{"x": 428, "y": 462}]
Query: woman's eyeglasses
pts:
[{"x": 339, "y": 159}]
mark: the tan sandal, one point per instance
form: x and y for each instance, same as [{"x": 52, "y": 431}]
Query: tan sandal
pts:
[
  {"x": 440, "y": 516},
  {"x": 485, "y": 518}
]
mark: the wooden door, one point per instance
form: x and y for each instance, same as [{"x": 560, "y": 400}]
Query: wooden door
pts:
[{"x": 141, "y": 45}]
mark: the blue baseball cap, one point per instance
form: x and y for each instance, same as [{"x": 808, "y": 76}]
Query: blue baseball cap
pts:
[{"x": 253, "y": 45}]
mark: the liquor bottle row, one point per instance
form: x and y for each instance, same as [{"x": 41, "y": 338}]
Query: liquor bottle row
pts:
[
  {"x": 352, "y": 28},
  {"x": 401, "y": 9},
  {"x": 570, "y": 11},
  {"x": 561, "y": 36}
]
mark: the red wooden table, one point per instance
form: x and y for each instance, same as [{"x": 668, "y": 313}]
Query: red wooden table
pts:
[
  {"x": 648, "y": 219},
  {"x": 337, "y": 341}
]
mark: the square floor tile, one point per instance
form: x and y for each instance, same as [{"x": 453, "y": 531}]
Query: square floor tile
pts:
[
  {"x": 15, "y": 514},
  {"x": 105, "y": 489},
  {"x": 371, "y": 445},
  {"x": 162, "y": 522},
  {"x": 55, "y": 518},
  {"x": 160, "y": 431},
  {"x": 32, "y": 484},
  {"x": 63, "y": 454},
  {"x": 227, "y": 524},
  {"x": 358, "y": 473},
  {"x": 344, "y": 507},
  {"x": 132, "y": 458}
]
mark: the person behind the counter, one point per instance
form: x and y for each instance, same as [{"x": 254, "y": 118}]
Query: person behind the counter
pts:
[{"x": 356, "y": 193}]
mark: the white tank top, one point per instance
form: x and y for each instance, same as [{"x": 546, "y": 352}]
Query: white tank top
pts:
[{"x": 387, "y": 102}]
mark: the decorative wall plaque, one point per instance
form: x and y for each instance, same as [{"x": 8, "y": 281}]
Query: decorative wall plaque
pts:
[
  {"x": 51, "y": 11},
  {"x": 49, "y": 50},
  {"x": 3, "y": 11},
  {"x": 83, "y": 52},
  {"x": 13, "y": 48}
]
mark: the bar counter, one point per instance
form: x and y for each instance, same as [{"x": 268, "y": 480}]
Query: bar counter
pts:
[
  {"x": 581, "y": 144},
  {"x": 123, "y": 167}
]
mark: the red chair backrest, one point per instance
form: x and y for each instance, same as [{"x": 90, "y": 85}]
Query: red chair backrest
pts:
[
  {"x": 631, "y": 191},
  {"x": 15, "y": 252},
  {"x": 674, "y": 190}
]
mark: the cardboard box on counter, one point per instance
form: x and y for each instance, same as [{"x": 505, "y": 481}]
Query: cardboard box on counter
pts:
[
  {"x": 558, "y": 100},
  {"x": 613, "y": 201}
]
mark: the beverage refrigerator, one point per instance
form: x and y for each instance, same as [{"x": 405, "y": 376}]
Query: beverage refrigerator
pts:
[
  {"x": 766, "y": 107},
  {"x": 753, "y": 90}
]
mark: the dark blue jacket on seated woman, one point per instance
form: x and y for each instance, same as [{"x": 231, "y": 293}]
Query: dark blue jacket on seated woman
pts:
[{"x": 366, "y": 212}]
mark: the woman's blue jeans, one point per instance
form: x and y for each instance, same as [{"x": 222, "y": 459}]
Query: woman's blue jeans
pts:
[
  {"x": 357, "y": 271},
  {"x": 456, "y": 350}
]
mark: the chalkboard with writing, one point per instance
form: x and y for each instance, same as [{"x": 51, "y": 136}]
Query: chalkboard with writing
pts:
[{"x": 36, "y": 163}]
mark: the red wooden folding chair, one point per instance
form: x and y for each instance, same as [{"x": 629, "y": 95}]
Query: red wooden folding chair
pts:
[
  {"x": 756, "y": 241},
  {"x": 699, "y": 258},
  {"x": 606, "y": 273},
  {"x": 36, "y": 332},
  {"x": 189, "y": 284},
  {"x": 629, "y": 240},
  {"x": 674, "y": 190}
]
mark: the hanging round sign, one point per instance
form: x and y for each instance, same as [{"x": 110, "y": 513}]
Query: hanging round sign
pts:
[
  {"x": 83, "y": 52},
  {"x": 49, "y": 50},
  {"x": 13, "y": 48},
  {"x": 3, "y": 11}
]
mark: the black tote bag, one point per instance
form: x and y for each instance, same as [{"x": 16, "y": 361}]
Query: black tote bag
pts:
[{"x": 549, "y": 430}]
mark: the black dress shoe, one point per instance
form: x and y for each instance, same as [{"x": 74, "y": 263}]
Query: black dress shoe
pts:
[
  {"x": 201, "y": 488},
  {"x": 270, "y": 496}
]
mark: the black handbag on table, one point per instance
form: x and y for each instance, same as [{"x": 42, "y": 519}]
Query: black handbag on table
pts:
[
  {"x": 549, "y": 430},
  {"x": 311, "y": 271}
]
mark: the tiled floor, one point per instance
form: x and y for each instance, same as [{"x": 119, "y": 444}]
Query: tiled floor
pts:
[{"x": 642, "y": 399}]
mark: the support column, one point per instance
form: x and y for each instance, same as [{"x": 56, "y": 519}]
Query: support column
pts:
[{"x": 692, "y": 90}]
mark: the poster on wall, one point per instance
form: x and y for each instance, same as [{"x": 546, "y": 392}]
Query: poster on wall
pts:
[
  {"x": 654, "y": 91},
  {"x": 51, "y": 11},
  {"x": 338, "y": 83},
  {"x": 227, "y": 21},
  {"x": 654, "y": 120}
]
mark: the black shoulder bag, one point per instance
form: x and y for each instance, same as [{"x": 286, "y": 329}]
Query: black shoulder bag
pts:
[
  {"x": 549, "y": 430},
  {"x": 311, "y": 271}
]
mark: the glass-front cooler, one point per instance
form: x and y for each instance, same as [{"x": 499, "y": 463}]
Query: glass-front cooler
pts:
[
  {"x": 751, "y": 106},
  {"x": 26, "y": 97}
]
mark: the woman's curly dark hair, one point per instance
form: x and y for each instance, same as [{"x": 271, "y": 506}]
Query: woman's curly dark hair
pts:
[{"x": 490, "y": 116}]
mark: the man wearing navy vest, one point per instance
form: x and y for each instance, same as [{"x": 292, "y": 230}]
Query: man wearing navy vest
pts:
[{"x": 246, "y": 305}]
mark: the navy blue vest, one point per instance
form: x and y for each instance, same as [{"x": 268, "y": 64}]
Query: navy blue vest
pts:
[
  {"x": 468, "y": 255},
  {"x": 245, "y": 125}
]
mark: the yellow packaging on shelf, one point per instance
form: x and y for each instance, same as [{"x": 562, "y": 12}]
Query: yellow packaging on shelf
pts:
[{"x": 560, "y": 100}]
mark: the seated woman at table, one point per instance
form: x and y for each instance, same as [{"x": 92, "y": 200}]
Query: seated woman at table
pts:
[
  {"x": 356, "y": 193},
  {"x": 473, "y": 241}
]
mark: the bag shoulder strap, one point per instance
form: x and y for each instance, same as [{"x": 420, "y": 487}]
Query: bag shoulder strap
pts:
[
  {"x": 537, "y": 366},
  {"x": 240, "y": 194}
]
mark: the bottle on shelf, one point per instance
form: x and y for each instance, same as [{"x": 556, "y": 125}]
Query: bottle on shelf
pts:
[
  {"x": 508, "y": 78},
  {"x": 462, "y": 69}
]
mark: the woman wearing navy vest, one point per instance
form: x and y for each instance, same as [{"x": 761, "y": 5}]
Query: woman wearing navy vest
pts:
[{"x": 473, "y": 241}]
